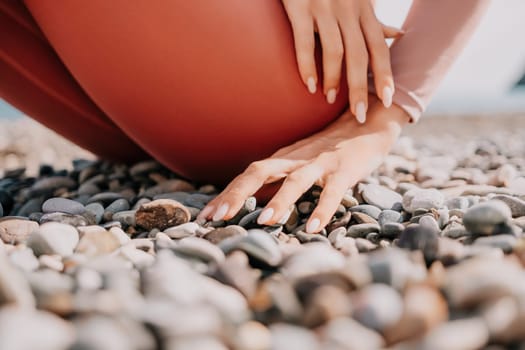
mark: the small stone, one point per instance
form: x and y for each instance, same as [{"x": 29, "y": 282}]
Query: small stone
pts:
[
  {"x": 392, "y": 229},
  {"x": 516, "y": 205},
  {"x": 380, "y": 196},
  {"x": 258, "y": 245},
  {"x": 378, "y": 307},
  {"x": 419, "y": 237},
  {"x": 24, "y": 259},
  {"x": 306, "y": 208},
  {"x": 105, "y": 198},
  {"x": 50, "y": 184},
  {"x": 311, "y": 259},
  {"x": 126, "y": 218},
  {"x": 488, "y": 218},
  {"x": 252, "y": 335},
  {"x": 97, "y": 243},
  {"x": 16, "y": 230},
  {"x": 41, "y": 330},
  {"x": 362, "y": 218},
  {"x": 422, "y": 199},
  {"x": 305, "y": 237},
  {"x": 287, "y": 336},
  {"x": 461, "y": 203},
  {"x": 349, "y": 201},
  {"x": 339, "y": 223},
  {"x": 161, "y": 214},
  {"x": 68, "y": 219},
  {"x": 504, "y": 242},
  {"x": 367, "y": 209},
  {"x": 236, "y": 272},
  {"x": 463, "y": 334},
  {"x": 364, "y": 245},
  {"x": 361, "y": 230},
  {"x": 183, "y": 230},
  {"x": 221, "y": 233},
  {"x": 53, "y": 262},
  {"x": 53, "y": 238},
  {"x": 63, "y": 205},
  {"x": 139, "y": 258},
  {"x": 97, "y": 210},
  {"x": 454, "y": 230},
  {"x": 115, "y": 207},
  {"x": 347, "y": 334},
  {"x": 14, "y": 288},
  {"x": 194, "y": 247},
  {"x": 389, "y": 216}
]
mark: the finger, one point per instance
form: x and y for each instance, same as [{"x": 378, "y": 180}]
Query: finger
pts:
[
  {"x": 379, "y": 58},
  {"x": 392, "y": 32},
  {"x": 332, "y": 48},
  {"x": 295, "y": 184},
  {"x": 330, "y": 198},
  {"x": 304, "y": 39},
  {"x": 232, "y": 198},
  {"x": 356, "y": 60}
]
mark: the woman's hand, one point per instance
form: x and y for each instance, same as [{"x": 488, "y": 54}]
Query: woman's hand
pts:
[
  {"x": 334, "y": 158},
  {"x": 349, "y": 29}
]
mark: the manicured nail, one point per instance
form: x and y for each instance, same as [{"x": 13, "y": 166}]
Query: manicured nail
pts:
[
  {"x": 312, "y": 86},
  {"x": 312, "y": 225},
  {"x": 330, "y": 96},
  {"x": 387, "y": 96},
  {"x": 265, "y": 215},
  {"x": 223, "y": 209},
  {"x": 206, "y": 211},
  {"x": 360, "y": 112}
]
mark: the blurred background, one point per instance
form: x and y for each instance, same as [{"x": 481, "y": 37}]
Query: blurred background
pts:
[{"x": 489, "y": 76}]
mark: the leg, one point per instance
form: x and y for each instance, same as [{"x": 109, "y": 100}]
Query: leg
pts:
[
  {"x": 34, "y": 80},
  {"x": 205, "y": 88}
]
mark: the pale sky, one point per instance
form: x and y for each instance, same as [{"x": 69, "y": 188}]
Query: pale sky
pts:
[{"x": 488, "y": 67}]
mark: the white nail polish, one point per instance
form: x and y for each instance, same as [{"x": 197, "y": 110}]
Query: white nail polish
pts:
[
  {"x": 205, "y": 212},
  {"x": 312, "y": 225},
  {"x": 330, "y": 96},
  {"x": 265, "y": 215},
  {"x": 219, "y": 214},
  {"x": 312, "y": 86},
  {"x": 360, "y": 112},
  {"x": 387, "y": 96}
]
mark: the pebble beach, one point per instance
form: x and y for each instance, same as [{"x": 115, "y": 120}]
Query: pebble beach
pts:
[{"x": 428, "y": 252}]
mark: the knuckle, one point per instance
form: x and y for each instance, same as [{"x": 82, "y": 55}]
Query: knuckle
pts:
[
  {"x": 256, "y": 167},
  {"x": 334, "y": 51},
  {"x": 295, "y": 177}
]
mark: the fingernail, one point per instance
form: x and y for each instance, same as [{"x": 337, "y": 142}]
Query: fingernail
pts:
[
  {"x": 360, "y": 112},
  {"x": 387, "y": 96},
  {"x": 206, "y": 211},
  {"x": 312, "y": 86},
  {"x": 330, "y": 96},
  {"x": 223, "y": 209},
  {"x": 265, "y": 215},
  {"x": 312, "y": 225}
]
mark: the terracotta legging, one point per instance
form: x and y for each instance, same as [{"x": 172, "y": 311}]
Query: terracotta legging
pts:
[{"x": 205, "y": 88}]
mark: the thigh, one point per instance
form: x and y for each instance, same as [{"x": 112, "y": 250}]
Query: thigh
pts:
[
  {"x": 204, "y": 86},
  {"x": 35, "y": 81}
]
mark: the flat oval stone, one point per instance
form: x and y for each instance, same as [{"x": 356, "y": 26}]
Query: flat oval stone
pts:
[
  {"x": 183, "y": 230},
  {"x": 105, "y": 198},
  {"x": 31, "y": 206},
  {"x": 16, "y": 230},
  {"x": 161, "y": 214},
  {"x": 392, "y": 229},
  {"x": 194, "y": 247},
  {"x": 63, "y": 205},
  {"x": 516, "y": 205},
  {"x": 311, "y": 259},
  {"x": 95, "y": 243},
  {"x": 488, "y": 218},
  {"x": 126, "y": 218},
  {"x": 305, "y": 237},
  {"x": 261, "y": 246},
  {"x": 221, "y": 233},
  {"x": 419, "y": 237},
  {"x": 380, "y": 196},
  {"x": 378, "y": 307},
  {"x": 368, "y": 209},
  {"x": 50, "y": 184},
  {"x": 504, "y": 242},
  {"x": 422, "y": 199},
  {"x": 53, "y": 238},
  {"x": 287, "y": 336},
  {"x": 362, "y": 218},
  {"x": 361, "y": 230}
]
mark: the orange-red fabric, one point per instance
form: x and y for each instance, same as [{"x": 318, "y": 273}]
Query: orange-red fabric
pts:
[
  {"x": 33, "y": 79},
  {"x": 204, "y": 88}
]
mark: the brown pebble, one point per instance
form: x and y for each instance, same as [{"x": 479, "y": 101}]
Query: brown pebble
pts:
[{"x": 161, "y": 214}]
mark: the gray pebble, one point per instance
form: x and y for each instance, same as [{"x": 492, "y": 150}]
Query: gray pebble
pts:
[
  {"x": 488, "y": 218},
  {"x": 63, "y": 205},
  {"x": 97, "y": 210},
  {"x": 380, "y": 196},
  {"x": 53, "y": 238},
  {"x": 361, "y": 230},
  {"x": 423, "y": 199},
  {"x": 369, "y": 210}
]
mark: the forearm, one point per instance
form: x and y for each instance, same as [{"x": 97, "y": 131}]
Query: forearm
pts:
[{"x": 436, "y": 31}]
